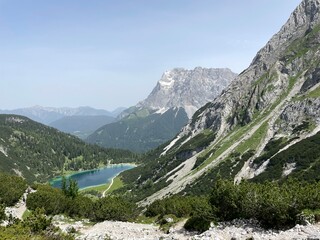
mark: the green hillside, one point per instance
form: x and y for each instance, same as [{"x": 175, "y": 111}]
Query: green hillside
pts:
[
  {"x": 38, "y": 152},
  {"x": 140, "y": 131}
]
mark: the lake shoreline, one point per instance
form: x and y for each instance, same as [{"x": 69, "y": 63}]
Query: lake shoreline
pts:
[
  {"x": 55, "y": 181},
  {"x": 57, "y": 178}
]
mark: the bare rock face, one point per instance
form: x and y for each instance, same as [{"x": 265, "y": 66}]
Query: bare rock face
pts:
[
  {"x": 291, "y": 54},
  {"x": 189, "y": 89},
  {"x": 305, "y": 112}
]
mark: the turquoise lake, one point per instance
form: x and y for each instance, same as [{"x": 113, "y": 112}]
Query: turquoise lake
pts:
[{"x": 94, "y": 177}]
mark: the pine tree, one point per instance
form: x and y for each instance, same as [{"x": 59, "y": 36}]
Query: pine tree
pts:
[
  {"x": 64, "y": 185},
  {"x": 73, "y": 188}
]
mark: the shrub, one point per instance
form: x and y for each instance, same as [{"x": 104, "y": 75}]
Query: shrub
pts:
[
  {"x": 37, "y": 221},
  {"x": 113, "y": 208},
  {"x": 180, "y": 206},
  {"x": 2, "y": 213},
  {"x": 197, "y": 223},
  {"x": 52, "y": 200},
  {"x": 224, "y": 200},
  {"x": 12, "y": 189},
  {"x": 81, "y": 206},
  {"x": 275, "y": 205},
  {"x": 167, "y": 221}
]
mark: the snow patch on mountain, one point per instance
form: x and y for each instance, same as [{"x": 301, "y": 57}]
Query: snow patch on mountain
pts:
[{"x": 188, "y": 89}]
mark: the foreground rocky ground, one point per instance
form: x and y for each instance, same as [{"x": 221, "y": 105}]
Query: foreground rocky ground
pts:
[{"x": 238, "y": 229}]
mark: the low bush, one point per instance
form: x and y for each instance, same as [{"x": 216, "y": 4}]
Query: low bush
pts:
[
  {"x": 198, "y": 223},
  {"x": 54, "y": 201},
  {"x": 113, "y": 208},
  {"x": 12, "y": 189},
  {"x": 275, "y": 205}
]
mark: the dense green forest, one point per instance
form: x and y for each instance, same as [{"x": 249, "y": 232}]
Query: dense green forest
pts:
[{"x": 38, "y": 152}]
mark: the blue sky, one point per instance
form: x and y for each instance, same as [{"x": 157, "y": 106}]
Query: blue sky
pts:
[{"x": 105, "y": 54}]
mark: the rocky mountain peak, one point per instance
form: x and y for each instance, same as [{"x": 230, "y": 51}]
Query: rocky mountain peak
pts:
[
  {"x": 189, "y": 89},
  {"x": 301, "y": 20},
  {"x": 285, "y": 56}
]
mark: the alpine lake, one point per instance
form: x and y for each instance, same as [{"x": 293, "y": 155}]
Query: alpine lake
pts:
[{"x": 91, "y": 178}]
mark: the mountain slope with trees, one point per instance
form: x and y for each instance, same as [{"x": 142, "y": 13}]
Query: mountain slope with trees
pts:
[
  {"x": 38, "y": 152},
  {"x": 139, "y": 133}
]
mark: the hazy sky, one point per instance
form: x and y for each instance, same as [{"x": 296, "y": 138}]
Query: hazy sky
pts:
[{"x": 110, "y": 53}]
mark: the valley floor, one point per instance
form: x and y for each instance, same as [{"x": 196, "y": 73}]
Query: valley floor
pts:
[{"x": 237, "y": 229}]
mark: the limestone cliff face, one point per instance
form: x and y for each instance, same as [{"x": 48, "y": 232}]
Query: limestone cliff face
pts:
[
  {"x": 188, "y": 89},
  {"x": 296, "y": 113}
]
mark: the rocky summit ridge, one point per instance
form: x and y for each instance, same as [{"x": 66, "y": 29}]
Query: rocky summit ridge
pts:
[{"x": 188, "y": 89}]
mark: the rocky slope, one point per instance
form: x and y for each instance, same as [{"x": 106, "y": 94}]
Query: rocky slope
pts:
[
  {"x": 158, "y": 118},
  {"x": 238, "y": 229},
  {"x": 270, "y": 107}
]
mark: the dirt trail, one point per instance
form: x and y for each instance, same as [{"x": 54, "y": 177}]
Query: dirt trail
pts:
[
  {"x": 105, "y": 191},
  {"x": 20, "y": 207}
]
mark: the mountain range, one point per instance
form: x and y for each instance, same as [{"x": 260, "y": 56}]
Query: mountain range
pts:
[
  {"x": 170, "y": 105},
  {"x": 81, "y": 121},
  {"x": 263, "y": 126},
  {"x": 47, "y": 115}
]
